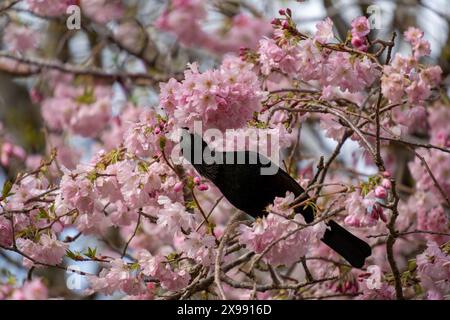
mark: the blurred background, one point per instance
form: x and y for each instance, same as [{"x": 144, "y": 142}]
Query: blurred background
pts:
[{"x": 162, "y": 55}]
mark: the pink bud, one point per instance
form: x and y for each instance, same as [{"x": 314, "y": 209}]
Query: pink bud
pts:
[
  {"x": 359, "y": 43},
  {"x": 4, "y": 159},
  {"x": 178, "y": 187},
  {"x": 19, "y": 152},
  {"x": 203, "y": 187},
  {"x": 36, "y": 96},
  {"x": 7, "y": 148},
  {"x": 289, "y": 12},
  {"x": 275, "y": 22},
  {"x": 374, "y": 215},
  {"x": 386, "y": 183},
  {"x": 282, "y": 12},
  {"x": 285, "y": 24},
  {"x": 352, "y": 221},
  {"x": 157, "y": 130},
  {"x": 382, "y": 215},
  {"x": 386, "y": 174},
  {"x": 347, "y": 286},
  {"x": 197, "y": 180},
  {"x": 380, "y": 192}
]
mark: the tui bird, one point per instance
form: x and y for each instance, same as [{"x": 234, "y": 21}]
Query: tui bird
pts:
[{"x": 238, "y": 176}]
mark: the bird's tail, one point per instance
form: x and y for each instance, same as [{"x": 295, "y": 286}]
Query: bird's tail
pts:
[{"x": 351, "y": 248}]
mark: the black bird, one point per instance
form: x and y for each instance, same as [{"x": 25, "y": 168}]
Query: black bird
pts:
[{"x": 238, "y": 175}]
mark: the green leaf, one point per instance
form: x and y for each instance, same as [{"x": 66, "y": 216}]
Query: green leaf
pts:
[
  {"x": 7, "y": 189},
  {"x": 88, "y": 97},
  {"x": 73, "y": 255},
  {"x": 191, "y": 204},
  {"x": 43, "y": 214},
  {"x": 91, "y": 253},
  {"x": 412, "y": 265},
  {"x": 162, "y": 142}
]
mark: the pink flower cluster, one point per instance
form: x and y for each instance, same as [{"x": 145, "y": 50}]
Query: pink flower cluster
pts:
[
  {"x": 48, "y": 250},
  {"x": 420, "y": 46},
  {"x": 103, "y": 11},
  {"x": 360, "y": 29},
  {"x": 30, "y": 290},
  {"x": 305, "y": 60},
  {"x": 157, "y": 267},
  {"x": 222, "y": 98},
  {"x": 51, "y": 8},
  {"x": 142, "y": 138},
  {"x": 433, "y": 269},
  {"x": 84, "y": 111},
  {"x": 20, "y": 38},
  {"x": 271, "y": 228},
  {"x": 119, "y": 277},
  {"x": 9, "y": 151},
  {"x": 404, "y": 76},
  {"x": 184, "y": 18},
  {"x": 367, "y": 211}
]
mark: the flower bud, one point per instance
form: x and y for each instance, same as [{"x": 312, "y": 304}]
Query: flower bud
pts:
[
  {"x": 178, "y": 187},
  {"x": 386, "y": 174},
  {"x": 380, "y": 192},
  {"x": 203, "y": 187},
  {"x": 197, "y": 180},
  {"x": 386, "y": 183},
  {"x": 275, "y": 22}
]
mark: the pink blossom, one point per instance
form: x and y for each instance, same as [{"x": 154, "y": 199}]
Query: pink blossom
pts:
[
  {"x": 363, "y": 212},
  {"x": 178, "y": 187},
  {"x": 386, "y": 183},
  {"x": 8, "y": 151},
  {"x": 103, "y": 11},
  {"x": 324, "y": 31},
  {"x": 143, "y": 138},
  {"x": 78, "y": 191},
  {"x": 5, "y": 232},
  {"x": 119, "y": 277},
  {"x": 48, "y": 250},
  {"x": 385, "y": 292},
  {"x": 183, "y": 18},
  {"x": 380, "y": 192},
  {"x": 432, "y": 76},
  {"x": 174, "y": 217},
  {"x": 359, "y": 43},
  {"x": 139, "y": 186},
  {"x": 199, "y": 247},
  {"x": 51, "y": 8},
  {"x": 433, "y": 269},
  {"x": 434, "y": 220},
  {"x": 413, "y": 35},
  {"x": 437, "y": 162},
  {"x": 203, "y": 187},
  {"x": 88, "y": 121},
  {"x": 31, "y": 290},
  {"x": 267, "y": 230},
  {"x": 272, "y": 57},
  {"x": 155, "y": 266},
  {"x": 393, "y": 86},
  {"x": 244, "y": 32},
  {"x": 20, "y": 38},
  {"x": 222, "y": 98},
  {"x": 360, "y": 27}
]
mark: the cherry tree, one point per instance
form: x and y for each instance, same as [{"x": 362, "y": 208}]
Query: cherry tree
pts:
[{"x": 101, "y": 196}]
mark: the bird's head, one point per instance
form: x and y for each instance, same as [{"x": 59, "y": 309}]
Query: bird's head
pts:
[{"x": 192, "y": 146}]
